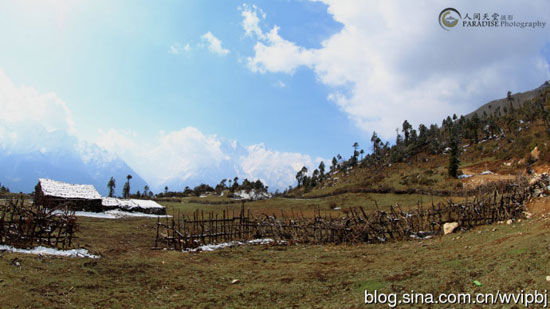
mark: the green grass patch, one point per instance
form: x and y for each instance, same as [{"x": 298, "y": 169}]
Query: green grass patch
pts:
[{"x": 370, "y": 285}]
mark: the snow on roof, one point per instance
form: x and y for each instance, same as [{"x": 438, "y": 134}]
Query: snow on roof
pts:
[
  {"x": 129, "y": 203},
  {"x": 147, "y": 203},
  {"x": 67, "y": 190}
]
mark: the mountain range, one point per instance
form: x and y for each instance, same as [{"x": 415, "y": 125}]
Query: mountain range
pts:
[{"x": 29, "y": 152}]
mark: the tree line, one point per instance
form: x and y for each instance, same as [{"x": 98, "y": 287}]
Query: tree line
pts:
[
  {"x": 501, "y": 121},
  {"x": 226, "y": 185}
]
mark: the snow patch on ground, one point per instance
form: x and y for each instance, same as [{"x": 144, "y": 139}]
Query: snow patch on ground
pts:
[
  {"x": 465, "y": 176},
  {"x": 81, "y": 253},
  {"x": 262, "y": 241},
  {"x": 251, "y": 195},
  {"x": 487, "y": 172},
  {"x": 115, "y": 214},
  {"x": 129, "y": 203}
]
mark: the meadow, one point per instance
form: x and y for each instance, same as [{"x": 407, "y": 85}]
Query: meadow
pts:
[{"x": 130, "y": 274}]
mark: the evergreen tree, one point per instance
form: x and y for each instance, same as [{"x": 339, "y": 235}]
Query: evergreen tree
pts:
[
  {"x": 376, "y": 147},
  {"x": 126, "y": 189},
  {"x": 303, "y": 179},
  {"x": 314, "y": 178},
  {"x": 300, "y": 177},
  {"x": 322, "y": 170},
  {"x": 353, "y": 160},
  {"x": 406, "y": 131},
  {"x": 454, "y": 144},
  {"x": 111, "y": 185}
]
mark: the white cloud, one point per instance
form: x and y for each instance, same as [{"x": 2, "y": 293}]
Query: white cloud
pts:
[
  {"x": 188, "y": 157},
  {"x": 24, "y": 105},
  {"x": 391, "y": 61},
  {"x": 31, "y": 121},
  {"x": 251, "y": 20},
  {"x": 176, "y": 48},
  {"x": 214, "y": 44},
  {"x": 278, "y": 54},
  {"x": 276, "y": 168}
]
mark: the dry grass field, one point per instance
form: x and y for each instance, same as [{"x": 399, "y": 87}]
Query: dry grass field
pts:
[{"x": 129, "y": 274}]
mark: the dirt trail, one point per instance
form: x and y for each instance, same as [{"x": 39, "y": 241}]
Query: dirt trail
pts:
[
  {"x": 477, "y": 179},
  {"x": 539, "y": 206}
]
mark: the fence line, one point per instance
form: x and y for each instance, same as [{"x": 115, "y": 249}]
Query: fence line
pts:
[
  {"x": 182, "y": 232},
  {"x": 24, "y": 225}
]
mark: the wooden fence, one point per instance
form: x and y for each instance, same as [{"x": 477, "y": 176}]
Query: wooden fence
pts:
[
  {"x": 26, "y": 225},
  {"x": 181, "y": 232}
]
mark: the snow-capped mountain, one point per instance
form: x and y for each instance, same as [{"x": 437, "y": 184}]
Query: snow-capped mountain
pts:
[
  {"x": 212, "y": 174},
  {"x": 29, "y": 152},
  {"x": 275, "y": 169}
]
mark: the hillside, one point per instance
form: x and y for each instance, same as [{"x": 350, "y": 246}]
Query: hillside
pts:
[
  {"x": 517, "y": 100},
  {"x": 507, "y": 256},
  {"x": 510, "y": 141}
]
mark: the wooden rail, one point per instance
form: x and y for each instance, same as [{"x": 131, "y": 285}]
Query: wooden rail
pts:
[
  {"x": 26, "y": 225},
  {"x": 182, "y": 232}
]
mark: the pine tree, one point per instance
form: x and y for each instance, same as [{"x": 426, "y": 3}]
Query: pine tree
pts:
[
  {"x": 454, "y": 144},
  {"x": 322, "y": 170},
  {"x": 376, "y": 147},
  {"x": 303, "y": 179},
  {"x": 126, "y": 189},
  {"x": 111, "y": 185},
  {"x": 406, "y": 131}
]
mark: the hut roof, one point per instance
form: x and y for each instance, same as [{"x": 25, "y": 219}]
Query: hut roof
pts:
[
  {"x": 129, "y": 203},
  {"x": 67, "y": 190}
]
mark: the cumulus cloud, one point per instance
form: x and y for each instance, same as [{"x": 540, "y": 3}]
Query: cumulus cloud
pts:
[
  {"x": 32, "y": 121},
  {"x": 189, "y": 157},
  {"x": 275, "y": 54},
  {"x": 391, "y": 61},
  {"x": 214, "y": 44},
  {"x": 251, "y": 19},
  {"x": 21, "y": 104},
  {"x": 275, "y": 168}
]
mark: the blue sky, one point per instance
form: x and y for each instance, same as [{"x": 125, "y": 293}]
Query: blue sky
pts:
[
  {"x": 291, "y": 82},
  {"x": 112, "y": 67}
]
